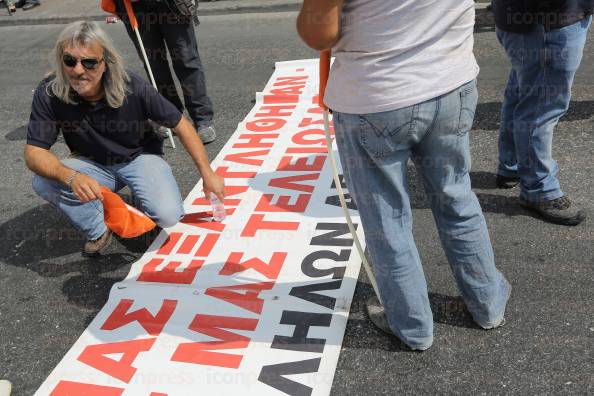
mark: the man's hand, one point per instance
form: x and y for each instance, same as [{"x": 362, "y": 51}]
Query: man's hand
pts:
[
  {"x": 193, "y": 145},
  {"x": 318, "y": 23},
  {"x": 46, "y": 164},
  {"x": 85, "y": 188},
  {"x": 215, "y": 184}
]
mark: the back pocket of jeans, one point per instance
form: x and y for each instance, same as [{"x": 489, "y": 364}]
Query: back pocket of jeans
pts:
[{"x": 387, "y": 132}]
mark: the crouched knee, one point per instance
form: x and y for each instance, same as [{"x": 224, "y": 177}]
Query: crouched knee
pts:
[{"x": 168, "y": 216}]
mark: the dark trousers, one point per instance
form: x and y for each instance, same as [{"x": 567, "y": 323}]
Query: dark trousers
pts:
[{"x": 162, "y": 31}]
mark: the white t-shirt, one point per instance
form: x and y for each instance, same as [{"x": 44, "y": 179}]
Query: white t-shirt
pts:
[{"x": 397, "y": 53}]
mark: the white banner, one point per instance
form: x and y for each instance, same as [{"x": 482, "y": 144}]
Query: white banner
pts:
[{"x": 254, "y": 305}]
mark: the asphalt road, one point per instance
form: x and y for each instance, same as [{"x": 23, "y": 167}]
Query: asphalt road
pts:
[{"x": 49, "y": 293}]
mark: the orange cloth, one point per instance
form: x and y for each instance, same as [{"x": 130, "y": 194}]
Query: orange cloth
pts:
[
  {"x": 108, "y": 6},
  {"x": 123, "y": 219}
]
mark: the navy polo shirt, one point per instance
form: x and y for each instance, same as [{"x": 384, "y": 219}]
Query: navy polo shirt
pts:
[
  {"x": 524, "y": 16},
  {"x": 101, "y": 133}
]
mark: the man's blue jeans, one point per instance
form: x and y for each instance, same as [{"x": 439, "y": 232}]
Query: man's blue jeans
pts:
[
  {"x": 374, "y": 151},
  {"x": 148, "y": 176},
  {"x": 537, "y": 95}
]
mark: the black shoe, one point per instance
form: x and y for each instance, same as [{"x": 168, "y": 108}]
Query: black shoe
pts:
[
  {"x": 95, "y": 247},
  {"x": 557, "y": 211},
  {"x": 30, "y": 4},
  {"x": 506, "y": 181},
  {"x": 159, "y": 130}
]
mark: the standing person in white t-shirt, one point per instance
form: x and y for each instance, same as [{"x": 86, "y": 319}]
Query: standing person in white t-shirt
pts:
[{"x": 403, "y": 87}]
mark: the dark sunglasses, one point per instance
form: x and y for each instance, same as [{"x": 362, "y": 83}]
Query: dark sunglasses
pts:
[{"x": 87, "y": 63}]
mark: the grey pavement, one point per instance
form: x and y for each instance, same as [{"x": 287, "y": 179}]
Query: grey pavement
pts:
[
  {"x": 64, "y": 11},
  {"x": 49, "y": 293}
]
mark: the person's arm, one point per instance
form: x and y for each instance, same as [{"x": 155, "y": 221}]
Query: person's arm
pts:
[
  {"x": 44, "y": 163},
  {"x": 318, "y": 23},
  {"x": 163, "y": 112},
  {"x": 42, "y": 133},
  {"x": 193, "y": 145}
]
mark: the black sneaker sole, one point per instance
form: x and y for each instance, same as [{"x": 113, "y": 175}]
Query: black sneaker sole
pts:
[
  {"x": 566, "y": 221},
  {"x": 506, "y": 182}
]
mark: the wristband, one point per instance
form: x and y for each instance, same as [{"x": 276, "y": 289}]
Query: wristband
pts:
[{"x": 71, "y": 178}]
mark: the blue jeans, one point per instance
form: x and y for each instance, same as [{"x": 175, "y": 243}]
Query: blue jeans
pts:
[
  {"x": 537, "y": 95},
  {"x": 374, "y": 151},
  {"x": 148, "y": 176}
]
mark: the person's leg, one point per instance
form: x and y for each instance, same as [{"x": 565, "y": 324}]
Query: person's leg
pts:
[
  {"x": 149, "y": 19},
  {"x": 443, "y": 159},
  {"x": 561, "y": 58},
  {"x": 183, "y": 48},
  {"x": 150, "y": 179},
  {"x": 507, "y": 170},
  {"x": 86, "y": 217},
  {"x": 374, "y": 150},
  {"x": 545, "y": 64}
]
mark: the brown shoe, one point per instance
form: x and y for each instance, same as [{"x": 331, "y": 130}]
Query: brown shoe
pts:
[
  {"x": 557, "y": 211},
  {"x": 376, "y": 313},
  {"x": 95, "y": 247}
]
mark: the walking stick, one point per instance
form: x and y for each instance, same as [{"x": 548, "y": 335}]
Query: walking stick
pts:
[
  {"x": 324, "y": 73},
  {"x": 134, "y": 25}
]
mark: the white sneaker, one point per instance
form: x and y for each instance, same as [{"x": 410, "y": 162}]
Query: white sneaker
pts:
[{"x": 5, "y": 388}]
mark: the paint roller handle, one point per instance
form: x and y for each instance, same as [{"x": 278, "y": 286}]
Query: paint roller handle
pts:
[
  {"x": 131, "y": 15},
  {"x": 325, "y": 56}
]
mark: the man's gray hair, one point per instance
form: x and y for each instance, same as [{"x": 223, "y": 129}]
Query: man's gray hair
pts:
[{"x": 84, "y": 34}]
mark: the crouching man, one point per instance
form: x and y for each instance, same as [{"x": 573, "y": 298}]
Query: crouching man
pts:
[{"x": 103, "y": 113}]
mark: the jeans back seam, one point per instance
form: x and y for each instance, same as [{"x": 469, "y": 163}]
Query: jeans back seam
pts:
[
  {"x": 433, "y": 124},
  {"x": 413, "y": 122}
]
